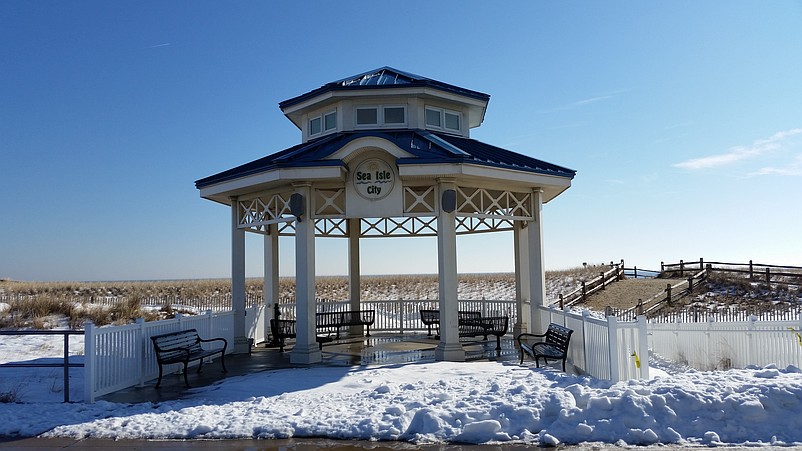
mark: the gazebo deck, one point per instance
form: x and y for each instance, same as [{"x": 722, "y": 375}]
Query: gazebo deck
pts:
[{"x": 378, "y": 349}]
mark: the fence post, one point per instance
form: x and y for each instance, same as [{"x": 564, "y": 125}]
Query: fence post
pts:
[
  {"x": 585, "y": 315},
  {"x": 562, "y": 303},
  {"x": 89, "y": 362},
  {"x": 681, "y": 268},
  {"x": 690, "y": 284},
  {"x": 584, "y": 292},
  {"x": 635, "y": 272},
  {"x": 701, "y": 263},
  {"x": 400, "y": 317},
  {"x": 66, "y": 367},
  {"x": 749, "y": 337},
  {"x": 768, "y": 276},
  {"x": 668, "y": 295},
  {"x": 662, "y": 267},
  {"x": 612, "y": 339},
  {"x": 601, "y": 276},
  {"x": 751, "y": 274},
  {"x": 643, "y": 347},
  {"x": 140, "y": 343}
]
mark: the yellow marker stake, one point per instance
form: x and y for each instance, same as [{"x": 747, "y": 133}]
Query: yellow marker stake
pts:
[
  {"x": 798, "y": 337},
  {"x": 637, "y": 359}
]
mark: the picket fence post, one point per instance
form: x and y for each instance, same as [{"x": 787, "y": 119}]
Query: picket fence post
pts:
[
  {"x": 140, "y": 345},
  {"x": 585, "y": 315},
  {"x": 612, "y": 339},
  {"x": 89, "y": 362},
  {"x": 643, "y": 347}
]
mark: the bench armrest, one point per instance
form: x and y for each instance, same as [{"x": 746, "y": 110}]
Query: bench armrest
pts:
[
  {"x": 225, "y": 342},
  {"x": 521, "y": 337}
]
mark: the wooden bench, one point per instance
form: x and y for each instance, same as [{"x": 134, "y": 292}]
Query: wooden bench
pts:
[
  {"x": 553, "y": 345},
  {"x": 327, "y": 326},
  {"x": 184, "y": 347}
]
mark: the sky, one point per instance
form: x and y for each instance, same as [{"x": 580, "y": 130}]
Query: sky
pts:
[{"x": 682, "y": 119}]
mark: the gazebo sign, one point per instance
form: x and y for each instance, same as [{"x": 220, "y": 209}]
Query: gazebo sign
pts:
[{"x": 374, "y": 179}]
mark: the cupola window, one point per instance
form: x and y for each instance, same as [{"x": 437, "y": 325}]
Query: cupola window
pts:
[
  {"x": 439, "y": 118},
  {"x": 323, "y": 123},
  {"x": 380, "y": 116}
]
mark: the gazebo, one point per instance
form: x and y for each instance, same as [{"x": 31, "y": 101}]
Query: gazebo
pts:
[{"x": 386, "y": 153}]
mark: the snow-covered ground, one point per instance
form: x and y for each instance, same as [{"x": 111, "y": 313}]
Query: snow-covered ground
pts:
[{"x": 475, "y": 402}]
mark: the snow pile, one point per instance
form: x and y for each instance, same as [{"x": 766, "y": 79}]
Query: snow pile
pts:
[{"x": 449, "y": 402}]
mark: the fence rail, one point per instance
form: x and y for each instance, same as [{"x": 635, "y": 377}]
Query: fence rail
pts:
[
  {"x": 616, "y": 272},
  {"x": 65, "y": 362},
  {"x": 721, "y": 346},
  {"x": 652, "y": 306},
  {"x": 603, "y": 348},
  {"x": 403, "y": 315},
  {"x": 118, "y": 357},
  {"x": 770, "y": 274}
]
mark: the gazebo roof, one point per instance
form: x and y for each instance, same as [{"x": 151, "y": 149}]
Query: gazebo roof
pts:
[
  {"x": 427, "y": 147},
  {"x": 383, "y": 78}
]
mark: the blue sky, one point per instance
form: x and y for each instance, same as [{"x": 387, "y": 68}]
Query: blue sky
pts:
[{"x": 683, "y": 120}]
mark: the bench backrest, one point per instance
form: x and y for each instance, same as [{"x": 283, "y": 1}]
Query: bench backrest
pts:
[
  {"x": 283, "y": 327},
  {"x": 429, "y": 316},
  {"x": 173, "y": 344},
  {"x": 328, "y": 319},
  {"x": 497, "y": 324},
  {"x": 558, "y": 336},
  {"x": 359, "y": 316},
  {"x": 463, "y": 315}
]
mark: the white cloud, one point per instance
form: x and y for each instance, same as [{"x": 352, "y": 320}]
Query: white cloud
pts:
[
  {"x": 583, "y": 102},
  {"x": 738, "y": 153},
  {"x": 793, "y": 169}
]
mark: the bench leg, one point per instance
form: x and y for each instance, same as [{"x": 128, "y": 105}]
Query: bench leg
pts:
[
  {"x": 223, "y": 361},
  {"x": 498, "y": 342},
  {"x": 367, "y": 330},
  {"x": 186, "y": 382},
  {"x": 159, "y": 382}
]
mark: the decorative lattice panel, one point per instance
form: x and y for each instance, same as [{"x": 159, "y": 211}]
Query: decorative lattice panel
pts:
[
  {"x": 480, "y": 202},
  {"x": 419, "y": 200}
]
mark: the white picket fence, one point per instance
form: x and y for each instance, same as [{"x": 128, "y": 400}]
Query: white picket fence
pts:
[
  {"x": 118, "y": 357},
  {"x": 724, "y": 345},
  {"x": 603, "y": 348}
]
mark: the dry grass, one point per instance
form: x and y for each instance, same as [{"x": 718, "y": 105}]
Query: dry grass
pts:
[{"x": 46, "y": 303}]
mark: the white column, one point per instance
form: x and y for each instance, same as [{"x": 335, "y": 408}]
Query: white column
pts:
[
  {"x": 270, "y": 290},
  {"x": 537, "y": 273},
  {"x": 521, "y": 245},
  {"x": 306, "y": 348},
  {"x": 354, "y": 231},
  {"x": 240, "y": 345},
  {"x": 449, "y": 347}
]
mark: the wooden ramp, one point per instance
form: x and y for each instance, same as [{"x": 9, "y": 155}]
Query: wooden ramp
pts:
[{"x": 624, "y": 294}]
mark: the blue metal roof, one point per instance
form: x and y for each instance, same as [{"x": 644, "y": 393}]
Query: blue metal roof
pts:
[
  {"x": 381, "y": 78},
  {"x": 426, "y": 146}
]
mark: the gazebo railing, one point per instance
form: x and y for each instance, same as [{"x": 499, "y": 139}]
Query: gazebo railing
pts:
[{"x": 403, "y": 315}]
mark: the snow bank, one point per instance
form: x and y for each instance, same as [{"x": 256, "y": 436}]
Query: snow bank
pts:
[{"x": 450, "y": 402}]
